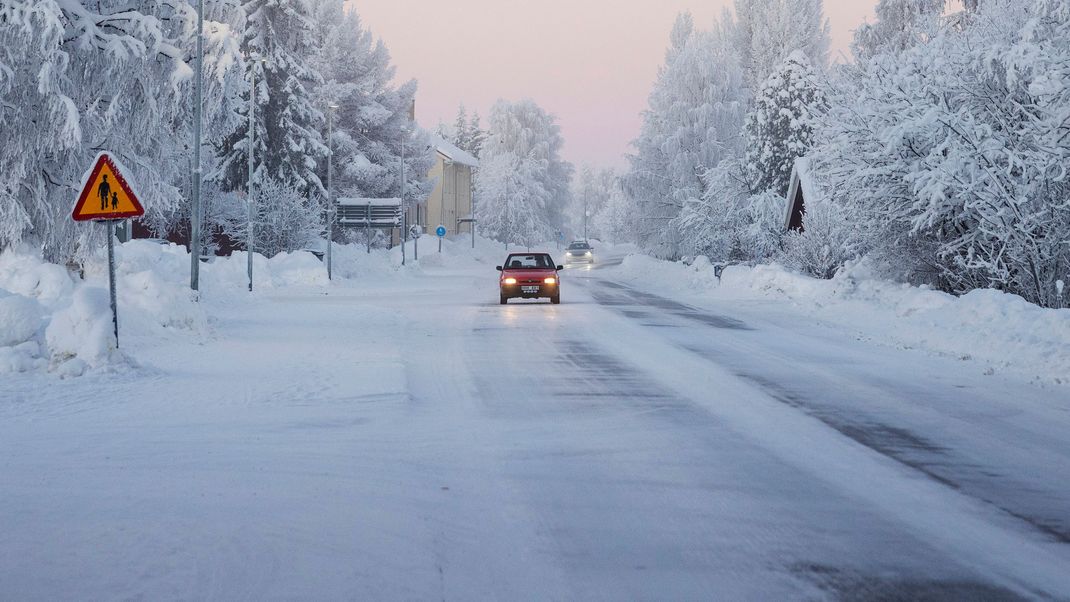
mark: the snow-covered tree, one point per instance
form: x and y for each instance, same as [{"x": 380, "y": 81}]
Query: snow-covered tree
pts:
[
  {"x": 769, "y": 31},
  {"x": 77, "y": 77},
  {"x": 780, "y": 124},
  {"x": 462, "y": 135},
  {"x": 615, "y": 221},
  {"x": 522, "y": 186},
  {"x": 478, "y": 136},
  {"x": 279, "y": 35},
  {"x": 372, "y": 119},
  {"x": 953, "y": 153},
  {"x": 693, "y": 122},
  {"x": 900, "y": 24}
]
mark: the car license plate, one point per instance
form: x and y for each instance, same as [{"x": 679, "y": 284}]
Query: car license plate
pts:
[{"x": 529, "y": 289}]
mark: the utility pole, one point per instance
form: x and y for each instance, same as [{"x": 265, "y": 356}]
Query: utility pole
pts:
[
  {"x": 508, "y": 218},
  {"x": 585, "y": 189},
  {"x": 330, "y": 172},
  {"x": 249, "y": 192},
  {"x": 404, "y": 207},
  {"x": 195, "y": 217}
]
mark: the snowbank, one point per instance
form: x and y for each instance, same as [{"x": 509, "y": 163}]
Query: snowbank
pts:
[{"x": 1000, "y": 330}]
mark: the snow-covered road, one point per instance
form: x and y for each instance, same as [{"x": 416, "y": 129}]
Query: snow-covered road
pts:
[{"x": 412, "y": 439}]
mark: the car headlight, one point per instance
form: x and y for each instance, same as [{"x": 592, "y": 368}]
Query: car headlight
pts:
[
  {"x": 550, "y": 280},
  {"x": 587, "y": 253},
  {"x": 510, "y": 280}
]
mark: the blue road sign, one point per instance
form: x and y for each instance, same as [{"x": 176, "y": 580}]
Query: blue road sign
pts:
[{"x": 440, "y": 231}]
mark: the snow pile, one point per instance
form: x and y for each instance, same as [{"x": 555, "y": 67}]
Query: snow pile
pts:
[
  {"x": 1001, "y": 330},
  {"x": 669, "y": 277},
  {"x": 52, "y": 321}
]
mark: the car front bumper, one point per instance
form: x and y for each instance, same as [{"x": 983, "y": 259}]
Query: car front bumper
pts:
[{"x": 529, "y": 291}]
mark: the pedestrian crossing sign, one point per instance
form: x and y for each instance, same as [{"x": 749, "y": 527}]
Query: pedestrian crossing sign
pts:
[{"x": 106, "y": 194}]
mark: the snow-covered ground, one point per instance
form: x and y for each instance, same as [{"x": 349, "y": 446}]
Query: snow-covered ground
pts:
[
  {"x": 397, "y": 434},
  {"x": 995, "y": 331}
]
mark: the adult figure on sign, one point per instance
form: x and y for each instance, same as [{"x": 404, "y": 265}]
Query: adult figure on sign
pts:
[{"x": 104, "y": 192}]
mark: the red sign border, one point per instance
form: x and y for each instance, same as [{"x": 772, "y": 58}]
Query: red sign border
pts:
[{"x": 101, "y": 160}]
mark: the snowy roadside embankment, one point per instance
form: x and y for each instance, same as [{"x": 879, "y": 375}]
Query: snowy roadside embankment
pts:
[
  {"x": 52, "y": 320},
  {"x": 1002, "y": 331}
]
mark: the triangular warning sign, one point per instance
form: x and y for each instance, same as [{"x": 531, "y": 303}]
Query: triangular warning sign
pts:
[{"x": 106, "y": 194}]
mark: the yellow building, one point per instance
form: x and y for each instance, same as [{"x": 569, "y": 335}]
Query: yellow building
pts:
[{"x": 450, "y": 202}]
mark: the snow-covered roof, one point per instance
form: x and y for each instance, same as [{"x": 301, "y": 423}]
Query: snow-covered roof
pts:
[
  {"x": 450, "y": 151},
  {"x": 802, "y": 176},
  {"x": 373, "y": 202}
]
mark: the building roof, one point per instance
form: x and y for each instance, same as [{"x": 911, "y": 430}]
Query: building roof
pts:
[
  {"x": 802, "y": 179},
  {"x": 450, "y": 151}
]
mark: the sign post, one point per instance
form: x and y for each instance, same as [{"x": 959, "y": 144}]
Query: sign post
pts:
[
  {"x": 107, "y": 197},
  {"x": 440, "y": 232},
  {"x": 415, "y": 231}
]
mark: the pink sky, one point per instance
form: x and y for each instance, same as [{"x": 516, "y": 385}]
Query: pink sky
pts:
[{"x": 589, "y": 62}]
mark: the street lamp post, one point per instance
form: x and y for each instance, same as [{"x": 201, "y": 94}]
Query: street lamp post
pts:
[
  {"x": 195, "y": 217},
  {"x": 585, "y": 213},
  {"x": 252, "y": 138},
  {"x": 404, "y": 207},
  {"x": 330, "y": 174}
]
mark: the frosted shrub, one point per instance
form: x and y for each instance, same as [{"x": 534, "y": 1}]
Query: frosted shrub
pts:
[{"x": 827, "y": 242}]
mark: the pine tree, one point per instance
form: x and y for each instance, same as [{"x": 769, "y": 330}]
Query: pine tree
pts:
[
  {"x": 780, "y": 125},
  {"x": 478, "y": 136},
  {"x": 289, "y": 145},
  {"x": 462, "y": 136},
  {"x": 372, "y": 118}
]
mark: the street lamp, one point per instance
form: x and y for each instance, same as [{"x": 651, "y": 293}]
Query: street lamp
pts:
[
  {"x": 330, "y": 172},
  {"x": 195, "y": 217},
  {"x": 251, "y": 217},
  {"x": 404, "y": 207}
]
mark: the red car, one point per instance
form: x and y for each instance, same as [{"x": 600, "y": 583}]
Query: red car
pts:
[{"x": 530, "y": 276}]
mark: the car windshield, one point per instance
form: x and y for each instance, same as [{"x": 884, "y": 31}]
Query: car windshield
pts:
[
  {"x": 581, "y": 246},
  {"x": 529, "y": 261}
]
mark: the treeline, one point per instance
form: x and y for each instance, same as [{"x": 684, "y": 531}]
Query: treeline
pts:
[
  {"x": 80, "y": 76},
  {"x": 939, "y": 153}
]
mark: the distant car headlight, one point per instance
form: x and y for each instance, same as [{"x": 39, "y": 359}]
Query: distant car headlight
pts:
[
  {"x": 587, "y": 253},
  {"x": 510, "y": 280},
  {"x": 550, "y": 280}
]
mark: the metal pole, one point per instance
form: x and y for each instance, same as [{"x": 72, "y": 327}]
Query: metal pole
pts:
[
  {"x": 404, "y": 207},
  {"x": 508, "y": 218},
  {"x": 368, "y": 227},
  {"x": 330, "y": 172},
  {"x": 111, "y": 280},
  {"x": 585, "y": 214},
  {"x": 249, "y": 192},
  {"x": 195, "y": 218}
]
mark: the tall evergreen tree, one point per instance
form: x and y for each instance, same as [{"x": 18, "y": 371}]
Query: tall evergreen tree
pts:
[
  {"x": 780, "y": 125},
  {"x": 279, "y": 36}
]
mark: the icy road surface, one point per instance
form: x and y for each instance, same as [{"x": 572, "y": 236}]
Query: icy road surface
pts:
[{"x": 413, "y": 439}]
